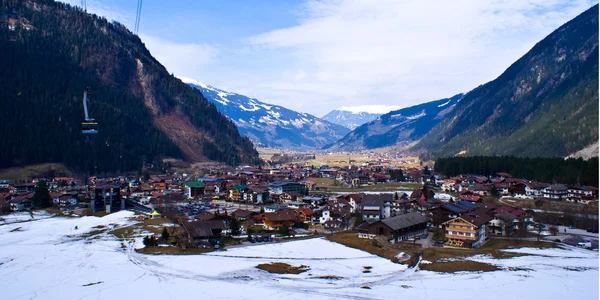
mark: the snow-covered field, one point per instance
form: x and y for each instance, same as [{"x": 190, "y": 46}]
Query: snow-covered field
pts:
[{"x": 47, "y": 258}]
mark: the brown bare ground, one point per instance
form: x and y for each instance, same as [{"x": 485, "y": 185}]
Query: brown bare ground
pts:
[
  {"x": 182, "y": 133},
  {"x": 282, "y": 268},
  {"x": 173, "y": 250},
  {"x": 458, "y": 266}
]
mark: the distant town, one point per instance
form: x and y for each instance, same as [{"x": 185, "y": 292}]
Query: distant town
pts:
[{"x": 392, "y": 202}]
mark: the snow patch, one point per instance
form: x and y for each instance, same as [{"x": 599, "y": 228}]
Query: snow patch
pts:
[
  {"x": 416, "y": 116},
  {"x": 254, "y": 107},
  {"x": 372, "y": 109},
  {"x": 194, "y": 82},
  {"x": 444, "y": 104}
]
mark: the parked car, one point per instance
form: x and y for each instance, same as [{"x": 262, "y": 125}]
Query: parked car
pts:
[
  {"x": 572, "y": 227},
  {"x": 585, "y": 244}
]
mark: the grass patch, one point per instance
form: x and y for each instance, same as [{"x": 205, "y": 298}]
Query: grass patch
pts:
[
  {"x": 157, "y": 221},
  {"x": 173, "y": 250},
  {"x": 353, "y": 241},
  {"x": 283, "y": 268},
  {"x": 458, "y": 266},
  {"x": 125, "y": 232},
  {"x": 94, "y": 233},
  {"x": 46, "y": 170},
  {"x": 324, "y": 182},
  {"x": 491, "y": 248}
]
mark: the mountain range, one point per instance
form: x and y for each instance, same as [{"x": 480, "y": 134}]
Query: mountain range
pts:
[
  {"x": 544, "y": 104},
  {"x": 52, "y": 52},
  {"x": 271, "y": 125},
  {"x": 353, "y": 116},
  {"x": 399, "y": 126}
]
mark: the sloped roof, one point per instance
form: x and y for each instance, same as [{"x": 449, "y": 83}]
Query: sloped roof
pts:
[
  {"x": 403, "y": 221},
  {"x": 203, "y": 228}
]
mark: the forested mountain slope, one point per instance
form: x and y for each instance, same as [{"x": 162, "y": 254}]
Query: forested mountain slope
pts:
[
  {"x": 545, "y": 104},
  {"x": 51, "y": 52}
]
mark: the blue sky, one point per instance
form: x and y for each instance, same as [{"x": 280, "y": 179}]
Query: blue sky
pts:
[{"x": 317, "y": 55}]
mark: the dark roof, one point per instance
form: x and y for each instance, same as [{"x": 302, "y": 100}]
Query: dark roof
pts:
[
  {"x": 477, "y": 218},
  {"x": 403, "y": 221},
  {"x": 364, "y": 226},
  {"x": 376, "y": 199},
  {"x": 205, "y": 216},
  {"x": 281, "y": 216},
  {"x": 242, "y": 213},
  {"x": 203, "y": 228},
  {"x": 558, "y": 187},
  {"x": 282, "y": 183}
]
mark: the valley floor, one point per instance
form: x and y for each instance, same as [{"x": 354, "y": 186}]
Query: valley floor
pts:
[{"x": 76, "y": 258}]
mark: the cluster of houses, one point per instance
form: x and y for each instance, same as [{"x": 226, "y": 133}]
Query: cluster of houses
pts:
[
  {"x": 290, "y": 196},
  {"x": 505, "y": 185}
]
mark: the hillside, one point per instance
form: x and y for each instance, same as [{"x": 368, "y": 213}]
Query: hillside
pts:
[
  {"x": 51, "y": 52},
  {"x": 400, "y": 126},
  {"x": 545, "y": 104},
  {"x": 271, "y": 125}
]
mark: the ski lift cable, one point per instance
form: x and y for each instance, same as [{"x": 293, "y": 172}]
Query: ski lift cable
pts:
[{"x": 138, "y": 16}]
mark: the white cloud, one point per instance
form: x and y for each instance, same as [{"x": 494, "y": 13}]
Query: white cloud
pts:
[
  {"x": 401, "y": 52},
  {"x": 183, "y": 59},
  {"x": 363, "y": 52}
]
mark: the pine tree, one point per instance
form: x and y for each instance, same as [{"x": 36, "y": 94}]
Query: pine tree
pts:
[
  {"x": 234, "y": 225},
  {"x": 284, "y": 230},
  {"x": 165, "y": 235},
  {"x": 494, "y": 190},
  {"x": 41, "y": 197}
]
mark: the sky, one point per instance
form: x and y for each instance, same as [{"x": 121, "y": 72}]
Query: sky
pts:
[{"x": 318, "y": 55}]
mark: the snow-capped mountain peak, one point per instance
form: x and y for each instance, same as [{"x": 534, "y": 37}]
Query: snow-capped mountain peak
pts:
[
  {"x": 370, "y": 109},
  {"x": 268, "y": 124},
  {"x": 354, "y": 116}
]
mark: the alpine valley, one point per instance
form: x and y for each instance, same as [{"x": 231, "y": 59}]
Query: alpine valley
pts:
[
  {"x": 399, "y": 126},
  {"x": 271, "y": 125}
]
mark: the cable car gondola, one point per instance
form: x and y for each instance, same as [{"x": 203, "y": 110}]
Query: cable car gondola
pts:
[{"x": 89, "y": 126}]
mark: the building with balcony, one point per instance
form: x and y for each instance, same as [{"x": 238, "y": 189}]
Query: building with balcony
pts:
[{"x": 469, "y": 231}]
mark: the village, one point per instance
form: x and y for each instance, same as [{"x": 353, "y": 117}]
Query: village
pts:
[{"x": 403, "y": 209}]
